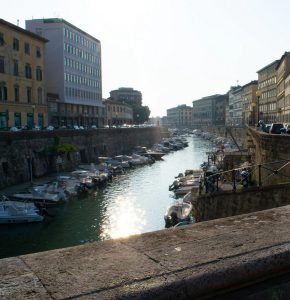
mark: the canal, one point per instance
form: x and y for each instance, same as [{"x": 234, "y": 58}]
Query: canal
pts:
[{"x": 133, "y": 203}]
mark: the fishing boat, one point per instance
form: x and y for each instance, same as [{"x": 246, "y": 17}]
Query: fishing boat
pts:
[
  {"x": 18, "y": 212},
  {"x": 178, "y": 212}
]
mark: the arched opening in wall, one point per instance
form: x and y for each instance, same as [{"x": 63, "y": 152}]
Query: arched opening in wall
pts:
[
  {"x": 5, "y": 167},
  {"x": 104, "y": 148},
  {"x": 83, "y": 156}
]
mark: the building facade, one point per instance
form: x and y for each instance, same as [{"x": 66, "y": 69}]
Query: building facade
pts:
[
  {"x": 209, "y": 111},
  {"x": 118, "y": 113},
  {"x": 22, "y": 88},
  {"x": 249, "y": 103},
  {"x": 127, "y": 95},
  {"x": 180, "y": 116},
  {"x": 73, "y": 73},
  {"x": 283, "y": 105},
  {"x": 267, "y": 102}
]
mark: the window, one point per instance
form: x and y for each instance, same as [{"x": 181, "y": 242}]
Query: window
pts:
[
  {"x": 16, "y": 93},
  {"x": 1, "y": 39},
  {"x": 28, "y": 73},
  {"x": 26, "y": 48},
  {"x": 38, "y": 52},
  {"x": 38, "y": 74},
  {"x": 29, "y": 94},
  {"x": 39, "y": 95},
  {"x": 15, "y": 68},
  {"x": 2, "y": 68},
  {"x": 3, "y": 92},
  {"x": 15, "y": 44}
]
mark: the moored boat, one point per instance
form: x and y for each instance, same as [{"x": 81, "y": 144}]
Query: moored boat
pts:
[
  {"x": 178, "y": 212},
  {"x": 18, "y": 212}
]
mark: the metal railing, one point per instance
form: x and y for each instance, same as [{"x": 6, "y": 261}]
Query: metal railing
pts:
[{"x": 254, "y": 175}]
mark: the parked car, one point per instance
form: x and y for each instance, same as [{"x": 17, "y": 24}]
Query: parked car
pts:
[
  {"x": 276, "y": 128},
  {"x": 267, "y": 128},
  {"x": 49, "y": 128}
]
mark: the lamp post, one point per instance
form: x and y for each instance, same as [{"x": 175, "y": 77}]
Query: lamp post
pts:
[{"x": 258, "y": 95}]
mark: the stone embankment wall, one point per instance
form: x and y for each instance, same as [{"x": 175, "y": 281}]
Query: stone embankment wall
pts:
[
  {"x": 229, "y": 203},
  {"x": 21, "y": 152},
  {"x": 265, "y": 149},
  {"x": 241, "y": 257}
]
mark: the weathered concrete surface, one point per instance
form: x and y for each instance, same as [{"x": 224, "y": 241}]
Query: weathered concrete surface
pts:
[{"x": 198, "y": 261}]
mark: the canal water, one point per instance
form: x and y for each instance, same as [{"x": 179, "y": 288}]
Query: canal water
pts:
[{"x": 133, "y": 203}]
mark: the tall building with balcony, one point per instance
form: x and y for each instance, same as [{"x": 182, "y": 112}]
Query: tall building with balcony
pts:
[
  {"x": 180, "y": 116},
  {"x": 283, "y": 101},
  {"x": 73, "y": 73},
  {"x": 267, "y": 103},
  {"x": 237, "y": 106},
  {"x": 22, "y": 89},
  {"x": 249, "y": 103},
  {"x": 210, "y": 110}
]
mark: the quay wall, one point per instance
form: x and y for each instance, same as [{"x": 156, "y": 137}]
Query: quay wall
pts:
[
  {"x": 241, "y": 257},
  {"x": 28, "y": 154},
  {"x": 231, "y": 203}
]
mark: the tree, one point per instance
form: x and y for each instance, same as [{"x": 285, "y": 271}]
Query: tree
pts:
[{"x": 141, "y": 114}]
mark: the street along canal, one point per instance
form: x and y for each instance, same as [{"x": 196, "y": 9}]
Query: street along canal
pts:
[{"x": 133, "y": 203}]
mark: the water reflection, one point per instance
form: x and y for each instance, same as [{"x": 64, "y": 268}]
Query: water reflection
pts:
[{"x": 124, "y": 218}]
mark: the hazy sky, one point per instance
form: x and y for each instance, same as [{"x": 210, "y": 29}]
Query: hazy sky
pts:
[{"x": 173, "y": 51}]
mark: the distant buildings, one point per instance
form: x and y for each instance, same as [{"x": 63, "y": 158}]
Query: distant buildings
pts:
[
  {"x": 209, "y": 110},
  {"x": 180, "y": 116},
  {"x": 22, "y": 77},
  {"x": 73, "y": 73},
  {"x": 118, "y": 113},
  {"x": 127, "y": 95}
]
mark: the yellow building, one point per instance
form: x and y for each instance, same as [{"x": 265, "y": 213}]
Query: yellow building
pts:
[{"x": 22, "y": 90}]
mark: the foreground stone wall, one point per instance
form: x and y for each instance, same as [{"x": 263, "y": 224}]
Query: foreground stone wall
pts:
[
  {"x": 229, "y": 203},
  {"x": 232, "y": 258},
  {"x": 23, "y": 153}
]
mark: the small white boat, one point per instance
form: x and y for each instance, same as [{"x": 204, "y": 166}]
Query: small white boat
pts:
[
  {"x": 48, "y": 194},
  {"x": 178, "y": 212},
  {"x": 18, "y": 212}
]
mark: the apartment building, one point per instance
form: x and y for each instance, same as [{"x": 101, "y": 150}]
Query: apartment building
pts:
[
  {"x": 118, "y": 113},
  {"x": 249, "y": 103},
  {"x": 127, "y": 95},
  {"x": 283, "y": 102},
  {"x": 22, "y": 79},
  {"x": 267, "y": 102},
  {"x": 180, "y": 116},
  {"x": 73, "y": 73},
  {"x": 209, "y": 110}
]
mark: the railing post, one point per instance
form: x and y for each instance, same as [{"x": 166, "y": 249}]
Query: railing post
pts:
[
  {"x": 217, "y": 182},
  {"x": 234, "y": 179},
  {"x": 260, "y": 176}
]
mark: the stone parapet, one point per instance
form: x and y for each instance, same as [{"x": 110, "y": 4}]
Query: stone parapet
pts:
[{"x": 213, "y": 259}]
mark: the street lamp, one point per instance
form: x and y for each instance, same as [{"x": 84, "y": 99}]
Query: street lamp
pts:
[{"x": 258, "y": 94}]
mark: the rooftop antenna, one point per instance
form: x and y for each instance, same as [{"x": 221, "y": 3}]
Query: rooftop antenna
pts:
[
  {"x": 18, "y": 22},
  {"x": 237, "y": 82}
]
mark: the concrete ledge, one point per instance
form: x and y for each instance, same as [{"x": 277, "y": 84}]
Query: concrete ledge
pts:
[{"x": 198, "y": 261}]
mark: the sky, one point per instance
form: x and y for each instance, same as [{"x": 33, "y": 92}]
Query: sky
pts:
[{"x": 173, "y": 51}]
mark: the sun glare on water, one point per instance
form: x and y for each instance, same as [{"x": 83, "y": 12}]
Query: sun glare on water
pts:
[{"x": 127, "y": 219}]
